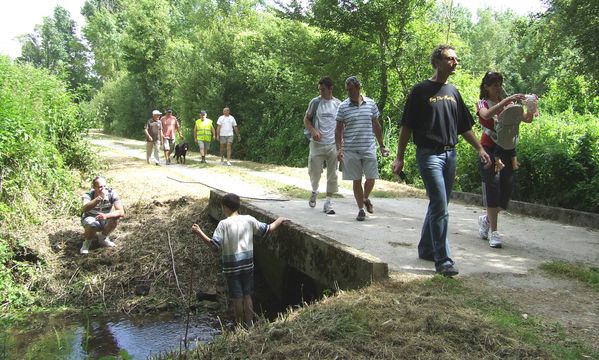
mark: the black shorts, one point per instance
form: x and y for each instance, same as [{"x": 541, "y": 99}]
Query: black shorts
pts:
[{"x": 497, "y": 187}]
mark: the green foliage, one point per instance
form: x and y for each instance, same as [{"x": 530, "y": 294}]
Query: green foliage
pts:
[
  {"x": 577, "y": 21},
  {"x": 55, "y": 46},
  {"x": 41, "y": 154},
  {"x": 120, "y": 98}
]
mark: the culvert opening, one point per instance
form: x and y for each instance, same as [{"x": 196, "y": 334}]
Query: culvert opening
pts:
[{"x": 296, "y": 289}]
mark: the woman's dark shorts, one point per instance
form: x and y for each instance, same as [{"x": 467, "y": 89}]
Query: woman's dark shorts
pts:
[
  {"x": 497, "y": 188},
  {"x": 240, "y": 285}
]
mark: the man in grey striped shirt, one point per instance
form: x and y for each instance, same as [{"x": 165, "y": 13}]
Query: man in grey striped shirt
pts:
[
  {"x": 98, "y": 215},
  {"x": 357, "y": 122}
]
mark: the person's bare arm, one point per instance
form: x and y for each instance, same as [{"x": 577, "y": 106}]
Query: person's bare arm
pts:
[
  {"x": 236, "y": 129},
  {"x": 118, "y": 212},
  {"x": 217, "y": 132},
  {"x": 402, "y": 143},
  {"x": 339, "y": 139},
  {"x": 90, "y": 204},
  {"x": 473, "y": 141},
  {"x": 275, "y": 224},
  {"x": 497, "y": 108},
  {"x": 313, "y": 131},
  {"x": 148, "y": 134},
  {"x": 195, "y": 228},
  {"x": 378, "y": 133}
]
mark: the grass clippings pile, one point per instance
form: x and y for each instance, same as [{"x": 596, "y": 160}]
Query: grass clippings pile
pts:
[
  {"x": 389, "y": 320},
  {"x": 137, "y": 275}
]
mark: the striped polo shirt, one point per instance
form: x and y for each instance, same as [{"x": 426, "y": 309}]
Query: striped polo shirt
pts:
[
  {"x": 234, "y": 236},
  {"x": 358, "y": 135},
  {"x": 104, "y": 206}
]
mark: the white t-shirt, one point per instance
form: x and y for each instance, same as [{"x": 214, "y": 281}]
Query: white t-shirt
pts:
[
  {"x": 325, "y": 118},
  {"x": 226, "y": 125}
]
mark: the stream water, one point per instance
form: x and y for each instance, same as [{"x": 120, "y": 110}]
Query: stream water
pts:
[{"x": 96, "y": 337}]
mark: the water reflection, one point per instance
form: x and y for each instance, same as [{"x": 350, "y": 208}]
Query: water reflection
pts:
[{"x": 96, "y": 337}]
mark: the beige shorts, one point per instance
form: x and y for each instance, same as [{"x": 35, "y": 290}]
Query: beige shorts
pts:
[
  {"x": 226, "y": 139},
  {"x": 204, "y": 145},
  {"x": 356, "y": 164},
  {"x": 171, "y": 144}
]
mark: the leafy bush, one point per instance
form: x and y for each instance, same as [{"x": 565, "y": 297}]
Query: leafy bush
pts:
[{"x": 42, "y": 153}]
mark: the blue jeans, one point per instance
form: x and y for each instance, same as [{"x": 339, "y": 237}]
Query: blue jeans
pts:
[{"x": 438, "y": 173}]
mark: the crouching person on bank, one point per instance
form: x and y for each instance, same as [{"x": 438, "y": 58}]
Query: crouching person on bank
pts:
[
  {"x": 234, "y": 237},
  {"x": 98, "y": 217}
]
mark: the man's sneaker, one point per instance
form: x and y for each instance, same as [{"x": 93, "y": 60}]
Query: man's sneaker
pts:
[
  {"x": 228, "y": 163},
  {"x": 495, "y": 240},
  {"x": 361, "y": 215},
  {"x": 328, "y": 208},
  {"x": 369, "y": 206},
  {"x": 168, "y": 161},
  {"x": 106, "y": 242},
  {"x": 312, "y": 201},
  {"x": 85, "y": 247},
  {"x": 448, "y": 270},
  {"x": 483, "y": 227}
]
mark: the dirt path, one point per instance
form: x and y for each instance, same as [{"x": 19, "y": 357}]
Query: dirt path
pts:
[{"x": 510, "y": 275}]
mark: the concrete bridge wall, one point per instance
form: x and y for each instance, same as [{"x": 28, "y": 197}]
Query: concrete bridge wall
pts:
[{"x": 329, "y": 263}]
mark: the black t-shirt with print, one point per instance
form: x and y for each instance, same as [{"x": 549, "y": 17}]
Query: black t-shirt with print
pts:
[{"x": 437, "y": 114}]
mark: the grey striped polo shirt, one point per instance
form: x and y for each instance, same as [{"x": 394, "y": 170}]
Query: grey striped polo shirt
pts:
[{"x": 358, "y": 135}]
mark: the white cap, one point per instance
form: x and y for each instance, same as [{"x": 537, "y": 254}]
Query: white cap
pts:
[{"x": 156, "y": 112}]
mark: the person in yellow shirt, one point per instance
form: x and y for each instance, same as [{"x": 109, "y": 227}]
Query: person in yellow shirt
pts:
[{"x": 203, "y": 133}]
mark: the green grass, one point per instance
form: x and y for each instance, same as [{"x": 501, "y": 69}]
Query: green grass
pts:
[{"x": 587, "y": 274}]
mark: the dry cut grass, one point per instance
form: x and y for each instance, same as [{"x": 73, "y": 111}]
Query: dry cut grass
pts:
[
  {"x": 139, "y": 275},
  {"x": 395, "y": 319}
]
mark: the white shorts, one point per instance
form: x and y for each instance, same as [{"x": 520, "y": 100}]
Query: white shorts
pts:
[{"x": 356, "y": 164}]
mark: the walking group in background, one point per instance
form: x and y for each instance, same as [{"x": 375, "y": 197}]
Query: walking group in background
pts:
[
  {"x": 347, "y": 132},
  {"x": 160, "y": 132}
]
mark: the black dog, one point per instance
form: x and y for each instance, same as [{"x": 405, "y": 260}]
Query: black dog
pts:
[{"x": 180, "y": 152}]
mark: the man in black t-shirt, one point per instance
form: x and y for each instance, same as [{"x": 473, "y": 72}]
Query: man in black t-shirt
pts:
[{"x": 435, "y": 114}]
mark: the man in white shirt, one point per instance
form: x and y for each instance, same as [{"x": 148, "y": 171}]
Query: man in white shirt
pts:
[
  {"x": 320, "y": 122},
  {"x": 226, "y": 125}
]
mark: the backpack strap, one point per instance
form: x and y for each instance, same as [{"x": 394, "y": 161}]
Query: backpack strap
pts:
[
  {"x": 315, "y": 108},
  {"x": 313, "y": 119}
]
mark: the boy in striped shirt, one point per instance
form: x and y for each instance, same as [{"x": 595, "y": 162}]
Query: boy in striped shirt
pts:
[{"x": 234, "y": 237}]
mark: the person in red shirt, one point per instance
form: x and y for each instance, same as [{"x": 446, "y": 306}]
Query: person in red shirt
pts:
[
  {"x": 169, "y": 125},
  {"x": 498, "y": 177}
]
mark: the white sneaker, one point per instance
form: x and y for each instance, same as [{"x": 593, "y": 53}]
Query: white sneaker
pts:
[
  {"x": 228, "y": 163},
  {"x": 85, "y": 247},
  {"x": 483, "y": 227},
  {"x": 104, "y": 241},
  {"x": 312, "y": 201},
  {"x": 328, "y": 208},
  {"x": 495, "y": 240}
]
